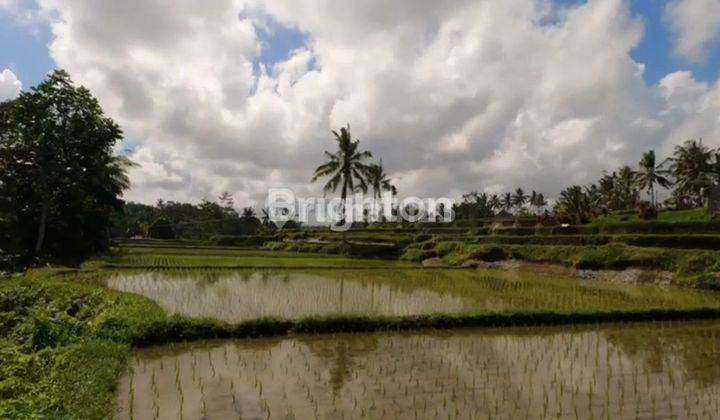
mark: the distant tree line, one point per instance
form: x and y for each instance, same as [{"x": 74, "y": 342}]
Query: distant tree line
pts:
[
  {"x": 689, "y": 175},
  {"x": 171, "y": 219},
  {"x": 479, "y": 205}
]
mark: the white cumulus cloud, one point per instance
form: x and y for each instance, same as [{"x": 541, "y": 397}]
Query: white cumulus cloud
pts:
[
  {"x": 10, "y": 86},
  {"x": 696, "y": 24},
  {"x": 453, "y": 96}
]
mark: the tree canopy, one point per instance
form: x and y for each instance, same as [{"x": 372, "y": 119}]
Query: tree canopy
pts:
[{"x": 59, "y": 178}]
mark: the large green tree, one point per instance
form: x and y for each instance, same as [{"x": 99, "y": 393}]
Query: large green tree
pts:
[
  {"x": 346, "y": 168},
  {"x": 59, "y": 171}
]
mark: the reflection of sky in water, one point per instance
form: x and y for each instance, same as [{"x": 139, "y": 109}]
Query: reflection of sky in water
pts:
[
  {"x": 237, "y": 297},
  {"x": 241, "y": 295},
  {"x": 628, "y": 371}
]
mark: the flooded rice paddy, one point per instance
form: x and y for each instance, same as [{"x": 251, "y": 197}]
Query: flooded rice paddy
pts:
[
  {"x": 242, "y": 295},
  {"x": 649, "y": 370}
]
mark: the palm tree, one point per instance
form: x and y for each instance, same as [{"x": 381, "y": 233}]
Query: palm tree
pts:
[
  {"x": 538, "y": 201},
  {"x": 519, "y": 199},
  {"x": 651, "y": 173},
  {"x": 626, "y": 181},
  {"x": 507, "y": 202},
  {"x": 346, "y": 167},
  {"x": 378, "y": 180},
  {"x": 495, "y": 203},
  {"x": 573, "y": 200},
  {"x": 690, "y": 166},
  {"x": 248, "y": 213},
  {"x": 266, "y": 216}
]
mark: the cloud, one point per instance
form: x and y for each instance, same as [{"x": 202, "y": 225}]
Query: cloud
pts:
[
  {"x": 454, "y": 96},
  {"x": 10, "y": 86},
  {"x": 696, "y": 24}
]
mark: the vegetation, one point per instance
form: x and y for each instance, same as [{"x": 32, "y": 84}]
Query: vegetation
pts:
[
  {"x": 170, "y": 219},
  {"x": 59, "y": 180},
  {"x": 347, "y": 168}
]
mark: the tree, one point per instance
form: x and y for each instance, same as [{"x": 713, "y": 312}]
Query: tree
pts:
[
  {"x": 248, "y": 213},
  {"x": 161, "y": 229},
  {"x": 626, "y": 183},
  {"x": 473, "y": 205},
  {"x": 507, "y": 202},
  {"x": 58, "y": 168},
  {"x": 519, "y": 199},
  {"x": 575, "y": 202},
  {"x": 691, "y": 168},
  {"x": 347, "y": 167},
  {"x": 538, "y": 201},
  {"x": 378, "y": 180},
  {"x": 650, "y": 174},
  {"x": 495, "y": 203}
]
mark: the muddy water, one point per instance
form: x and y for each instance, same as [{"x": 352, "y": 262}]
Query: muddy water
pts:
[
  {"x": 630, "y": 371},
  {"x": 243, "y": 295}
]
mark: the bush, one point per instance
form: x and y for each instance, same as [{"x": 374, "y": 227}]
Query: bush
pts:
[{"x": 646, "y": 211}]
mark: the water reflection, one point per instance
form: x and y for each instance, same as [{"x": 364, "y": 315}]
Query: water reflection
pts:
[
  {"x": 242, "y": 295},
  {"x": 605, "y": 372},
  {"x": 246, "y": 295}
]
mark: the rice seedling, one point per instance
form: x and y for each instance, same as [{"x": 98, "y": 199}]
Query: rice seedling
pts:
[
  {"x": 294, "y": 294},
  {"x": 641, "y": 370},
  {"x": 212, "y": 258}
]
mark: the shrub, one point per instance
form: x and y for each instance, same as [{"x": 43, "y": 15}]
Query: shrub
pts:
[{"x": 646, "y": 211}]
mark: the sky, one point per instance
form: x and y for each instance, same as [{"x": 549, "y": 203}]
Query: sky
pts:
[{"x": 454, "y": 96}]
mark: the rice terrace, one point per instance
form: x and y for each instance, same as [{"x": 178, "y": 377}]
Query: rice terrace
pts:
[{"x": 315, "y": 209}]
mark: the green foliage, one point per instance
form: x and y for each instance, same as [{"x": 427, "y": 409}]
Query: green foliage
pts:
[
  {"x": 57, "y": 169},
  {"x": 347, "y": 167},
  {"x": 161, "y": 229}
]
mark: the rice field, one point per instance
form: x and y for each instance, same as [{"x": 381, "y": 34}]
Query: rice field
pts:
[
  {"x": 241, "y": 295},
  {"x": 150, "y": 258},
  {"x": 650, "y": 370}
]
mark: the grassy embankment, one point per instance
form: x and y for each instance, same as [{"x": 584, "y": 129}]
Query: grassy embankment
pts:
[{"x": 684, "y": 242}]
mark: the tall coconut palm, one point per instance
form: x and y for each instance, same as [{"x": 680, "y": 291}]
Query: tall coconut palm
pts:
[
  {"x": 495, "y": 203},
  {"x": 507, "y": 202},
  {"x": 650, "y": 174},
  {"x": 347, "y": 167},
  {"x": 519, "y": 199},
  {"x": 690, "y": 166},
  {"x": 538, "y": 201},
  {"x": 378, "y": 180}
]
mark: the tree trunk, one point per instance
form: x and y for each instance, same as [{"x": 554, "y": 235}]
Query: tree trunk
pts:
[
  {"x": 42, "y": 227},
  {"x": 652, "y": 191},
  {"x": 343, "y": 198}
]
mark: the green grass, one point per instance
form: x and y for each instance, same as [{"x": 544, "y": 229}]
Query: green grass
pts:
[
  {"x": 692, "y": 215},
  {"x": 612, "y": 256},
  {"x": 211, "y": 258}
]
